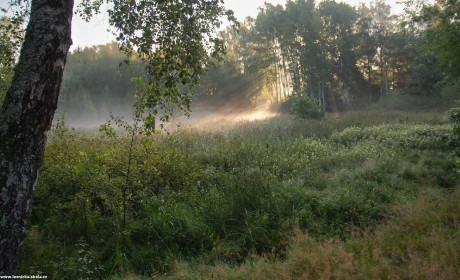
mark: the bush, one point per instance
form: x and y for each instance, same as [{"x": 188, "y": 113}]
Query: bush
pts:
[{"x": 305, "y": 107}]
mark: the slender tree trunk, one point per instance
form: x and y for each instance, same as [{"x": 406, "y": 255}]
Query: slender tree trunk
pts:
[
  {"x": 276, "y": 80},
  {"x": 386, "y": 79},
  {"x": 323, "y": 100},
  {"x": 319, "y": 94},
  {"x": 369, "y": 81},
  {"x": 285, "y": 82},
  {"x": 26, "y": 117}
]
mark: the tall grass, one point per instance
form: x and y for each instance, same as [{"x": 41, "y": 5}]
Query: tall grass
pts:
[
  {"x": 230, "y": 195},
  {"x": 420, "y": 241}
]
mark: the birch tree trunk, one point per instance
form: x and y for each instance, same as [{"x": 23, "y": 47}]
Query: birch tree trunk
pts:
[{"x": 26, "y": 117}]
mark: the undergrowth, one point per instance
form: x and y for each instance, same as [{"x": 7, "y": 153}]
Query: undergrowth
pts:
[
  {"x": 245, "y": 196},
  {"x": 420, "y": 241}
]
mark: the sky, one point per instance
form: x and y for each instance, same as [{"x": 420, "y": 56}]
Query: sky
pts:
[{"x": 95, "y": 32}]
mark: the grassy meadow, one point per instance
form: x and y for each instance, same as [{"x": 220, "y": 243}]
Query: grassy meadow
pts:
[{"x": 359, "y": 195}]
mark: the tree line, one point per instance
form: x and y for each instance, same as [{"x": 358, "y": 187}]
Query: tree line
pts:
[
  {"x": 94, "y": 83},
  {"x": 340, "y": 56}
]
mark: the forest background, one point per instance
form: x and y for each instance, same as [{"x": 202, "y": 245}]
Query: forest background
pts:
[{"x": 343, "y": 57}]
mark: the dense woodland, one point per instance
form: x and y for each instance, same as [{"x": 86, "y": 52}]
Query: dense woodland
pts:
[
  {"x": 343, "y": 57},
  {"x": 359, "y": 182}
]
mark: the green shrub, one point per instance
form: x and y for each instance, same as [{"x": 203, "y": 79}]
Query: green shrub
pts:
[{"x": 305, "y": 107}]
